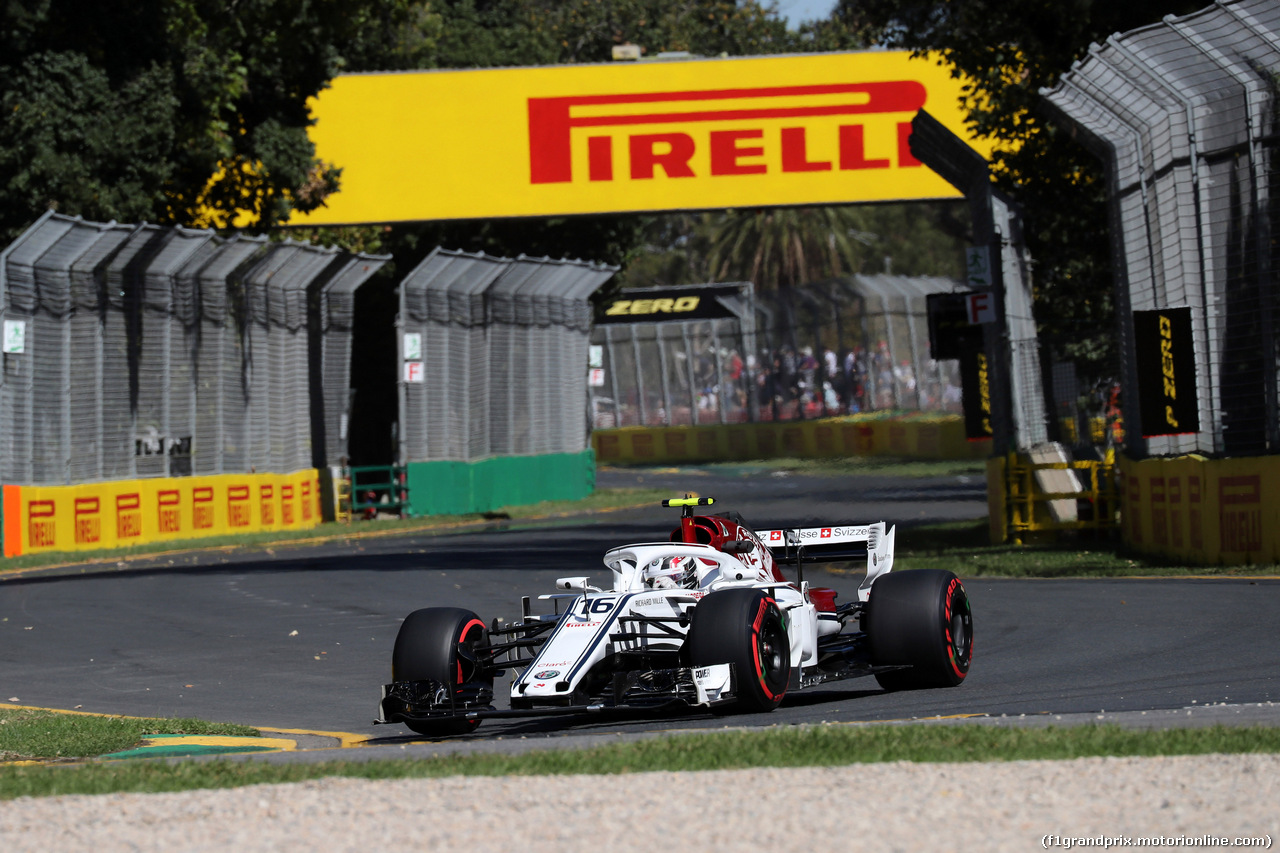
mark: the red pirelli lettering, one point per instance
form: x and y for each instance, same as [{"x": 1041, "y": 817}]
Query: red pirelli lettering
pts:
[
  {"x": 88, "y": 525},
  {"x": 41, "y": 533},
  {"x": 727, "y": 154},
  {"x": 853, "y": 150},
  {"x": 1242, "y": 489},
  {"x": 795, "y": 155},
  {"x": 600, "y": 158},
  {"x": 671, "y": 151},
  {"x": 552, "y": 120}
]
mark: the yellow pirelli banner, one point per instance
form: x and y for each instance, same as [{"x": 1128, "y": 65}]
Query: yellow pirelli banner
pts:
[
  {"x": 828, "y": 128},
  {"x": 912, "y": 437},
  {"x": 122, "y": 513},
  {"x": 1203, "y": 510}
]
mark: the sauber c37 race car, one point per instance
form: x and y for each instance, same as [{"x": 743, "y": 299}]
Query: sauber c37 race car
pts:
[{"x": 704, "y": 620}]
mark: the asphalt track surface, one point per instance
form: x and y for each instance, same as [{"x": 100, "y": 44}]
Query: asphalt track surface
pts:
[{"x": 300, "y": 638}]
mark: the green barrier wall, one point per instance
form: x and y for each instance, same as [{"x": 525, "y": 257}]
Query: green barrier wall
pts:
[{"x": 453, "y": 488}]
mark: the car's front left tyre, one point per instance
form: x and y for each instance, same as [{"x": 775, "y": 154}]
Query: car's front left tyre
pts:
[
  {"x": 744, "y": 627},
  {"x": 438, "y": 644}
]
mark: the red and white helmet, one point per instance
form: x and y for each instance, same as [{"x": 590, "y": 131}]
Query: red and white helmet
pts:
[{"x": 672, "y": 573}]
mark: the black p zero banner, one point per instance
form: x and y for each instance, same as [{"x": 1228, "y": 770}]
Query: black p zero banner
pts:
[
  {"x": 657, "y": 305},
  {"x": 1166, "y": 361},
  {"x": 975, "y": 384}
]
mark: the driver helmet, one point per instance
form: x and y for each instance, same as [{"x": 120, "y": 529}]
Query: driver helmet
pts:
[{"x": 672, "y": 573}]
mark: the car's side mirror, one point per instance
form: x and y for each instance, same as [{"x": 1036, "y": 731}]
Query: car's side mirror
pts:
[
  {"x": 737, "y": 546},
  {"x": 580, "y": 584}
]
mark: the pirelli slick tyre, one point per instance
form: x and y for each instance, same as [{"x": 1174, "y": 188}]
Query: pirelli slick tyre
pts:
[
  {"x": 743, "y": 627},
  {"x": 920, "y": 619},
  {"x": 427, "y": 649}
]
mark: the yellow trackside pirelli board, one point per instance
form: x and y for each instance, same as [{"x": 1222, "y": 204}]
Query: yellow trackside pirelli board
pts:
[
  {"x": 121, "y": 513},
  {"x": 825, "y": 128}
]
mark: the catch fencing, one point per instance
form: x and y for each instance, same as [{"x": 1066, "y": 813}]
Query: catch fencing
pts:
[
  {"x": 840, "y": 346},
  {"x": 1184, "y": 114},
  {"x": 139, "y": 351},
  {"x": 494, "y": 354}
]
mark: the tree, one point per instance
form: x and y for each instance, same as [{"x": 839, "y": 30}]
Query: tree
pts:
[
  {"x": 1008, "y": 50},
  {"x": 547, "y": 32},
  {"x": 73, "y": 142},
  {"x": 782, "y": 248},
  {"x": 180, "y": 111}
]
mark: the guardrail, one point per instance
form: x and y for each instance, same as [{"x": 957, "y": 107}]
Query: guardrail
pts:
[
  {"x": 342, "y": 500},
  {"x": 1041, "y": 499},
  {"x": 372, "y": 489}
]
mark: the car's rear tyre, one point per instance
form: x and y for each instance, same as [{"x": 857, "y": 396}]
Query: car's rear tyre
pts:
[
  {"x": 920, "y": 619},
  {"x": 743, "y": 627},
  {"x": 427, "y": 650}
]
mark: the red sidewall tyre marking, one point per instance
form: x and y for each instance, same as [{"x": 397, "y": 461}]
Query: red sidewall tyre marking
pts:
[
  {"x": 951, "y": 646},
  {"x": 462, "y": 638},
  {"x": 755, "y": 648}
]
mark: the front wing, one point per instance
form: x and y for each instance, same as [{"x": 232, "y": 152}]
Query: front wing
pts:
[
  {"x": 637, "y": 690},
  {"x": 425, "y": 701}
]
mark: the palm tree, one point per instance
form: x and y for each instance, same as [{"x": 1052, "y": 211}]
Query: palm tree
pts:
[{"x": 781, "y": 248}]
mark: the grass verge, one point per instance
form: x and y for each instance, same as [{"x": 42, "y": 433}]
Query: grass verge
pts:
[
  {"x": 784, "y": 747},
  {"x": 27, "y": 733},
  {"x": 963, "y": 547}
]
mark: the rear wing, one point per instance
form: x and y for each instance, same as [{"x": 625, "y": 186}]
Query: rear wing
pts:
[{"x": 798, "y": 545}]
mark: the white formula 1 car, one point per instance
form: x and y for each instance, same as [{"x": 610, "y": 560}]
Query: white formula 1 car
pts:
[{"x": 705, "y": 620}]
